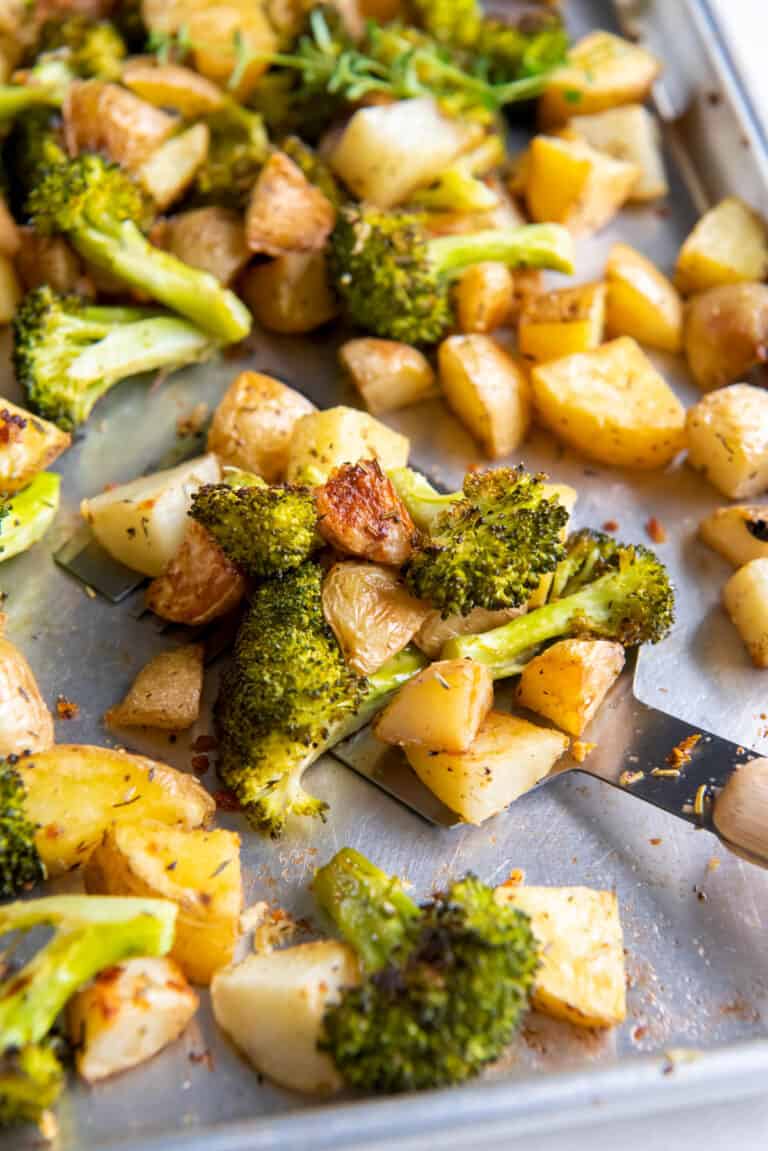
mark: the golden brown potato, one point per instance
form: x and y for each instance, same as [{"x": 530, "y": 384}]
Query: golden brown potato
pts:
[
  {"x": 198, "y": 870},
  {"x": 488, "y": 390},
  {"x": 291, "y": 294},
  {"x": 200, "y": 584},
  {"x": 568, "y": 682},
  {"x": 436, "y": 632},
  {"x": 10, "y": 290},
  {"x": 728, "y": 440},
  {"x": 47, "y": 260},
  {"x": 165, "y": 694},
  {"x": 323, "y": 441},
  {"x": 172, "y": 86},
  {"x": 628, "y": 133},
  {"x": 603, "y": 71},
  {"x": 728, "y": 245},
  {"x": 641, "y": 302},
  {"x": 9, "y": 231},
  {"x": 253, "y": 424},
  {"x": 745, "y": 597},
  {"x": 360, "y": 512},
  {"x": 484, "y": 297},
  {"x": 726, "y": 333},
  {"x": 170, "y": 168},
  {"x": 28, "y": 444},
  {"x": 569, "y": 183},
  {"x": 285, "y": 212},
  {"x": 107, "y": 118},
  {"x": 26, "y": 724},
  {"x": 526, "y": 282},
  {"x": 210, "y": 238},
  {"x": 387, "y": 374},
  {"x": 223, "y": 35},
  {"x": 739, "y": 534},
  {"x": 371, "y": 614},
  {"x": 441, "y": 708},
  {"x": 560, "y": 323}
]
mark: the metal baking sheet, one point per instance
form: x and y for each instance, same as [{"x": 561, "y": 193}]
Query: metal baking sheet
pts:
[{"x": 694, "y": 928}]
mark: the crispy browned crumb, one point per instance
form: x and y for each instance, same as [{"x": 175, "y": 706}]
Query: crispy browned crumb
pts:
[
  {"x": 580, "y": 749},
  {"x": 66, "y": 708},
  {"x": 681, "y": 754},
  {"x": 656, "y": 530}
]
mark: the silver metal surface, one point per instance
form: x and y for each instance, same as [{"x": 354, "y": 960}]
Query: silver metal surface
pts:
[{"x": 694, "y": 930}]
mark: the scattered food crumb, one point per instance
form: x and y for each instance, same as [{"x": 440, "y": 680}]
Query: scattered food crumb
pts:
[
  {"x": 205, "y": 743},
  {"x": 713, "y": 863},
  {"x": 682, "y": 753},
  {"x": 226, "y": 801},
  {"x": 656, "y": 530},
  {"x": 666, "y": 772},
  {"x": 700, "y": 895},
  {"x": 89, "y": 591},
  {"x": 610, "y": 526},
  {"x": 48, "y": 1126},
  {"x": 655, "y": 841},
  {"x": 202, "y": 1057},
  {"x": 515, "y": 878},
  {"x": 192, "y": 422},
  {"x": 200, "y": 764},
  {"x": 66, "y": 708},
  {"x": 627, "y": 778},
  {"x": 276, "y": 929},
  {"x": 580, "y": 749}
]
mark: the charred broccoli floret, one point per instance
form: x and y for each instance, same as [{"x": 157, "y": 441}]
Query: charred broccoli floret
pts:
[
  {"x": 26, "y": 515},
  {"x": 394, "y": 280},
  {"x": 99, "y": 208},
  {"x": 20, "y": 864},
  {"x": 238, "y": 149},
  {"x": 90, "y": 934},
  {"x": 90, "y": 49},
  {"x": 289, "y": 695},
  {"x": 265, "y": 531},
  {"x": 444, "y": 985},
  {"x": 67, "y": 354},
  {"x": 491, "y": 547},
  {"x": 605, "y": 589}
]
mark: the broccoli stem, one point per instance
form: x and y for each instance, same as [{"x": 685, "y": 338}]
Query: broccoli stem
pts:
[
  {"x": 530, "y": 246},
  {"x": 381, "y": 685},
  {"x": 26, "y": 516},
  {"x": 424, "y": 503},
  {"x": 138, "y": 346},
  {"x": 18, "y": 98},
  {"x": 199, "y": 296},
  {"x": 369, "y": 907},
  {"x": 31, "y": 1081}
]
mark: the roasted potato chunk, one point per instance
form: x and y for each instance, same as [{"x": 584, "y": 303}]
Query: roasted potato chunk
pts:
[
  {"x": 507, "y": 758},
  {"x": 48, "y": 260},
  {"x": 74, "y": 793},
  {"x": 569, "y": 183},
  {"x": 582, "y": 976},
  {"x": 166, "y": 692},
  {"x": 291, "y": 294},
  {"x": 371, "y": 614},
  {"x": 210, "y": 238},
  {"x": 10, "y": 238},
  {"x": 561, "y": 323},
  {"x": 127, "y": 1014},
  {"x": 323, "y": 441},
  {"x": 360, "y": 512},
  {"x": 728, "y": 245},
  {"x": 488, "y": 390},
  {"x": 387, "y": 374},
  {"x": 726, "y": 331},
  {"x": 484, "y": 297},
  {"x": 612, "y": 405},
  {"x": 172, "y": 86},
  {"x": 739, "y": 534},
  {"x": 254, "y": 422},
  {"x": 285, "y": 212},
  {"x": 10, "y": 290},
  {"x": 107, "y": 118},
  {"x": 26, "y": 724},
  {"x": 28, "y": 445},
  {"x": 170, "y": 168},
  {"x": 568, "y": 682},
  {"x": 199, "y": 584},
  {"x": 441, "y": 708},
  {"x": 603, "y": 71},
  {"x": 641, "y": 302},
  {"x": 629, "y": 133},
  {"x": 745, "y": 597},
  {"x": 226, "y": 36},
  {"x": 728, "y": 440},
  {"x": 436, "y": 632},
  {"x": 196, "y": 869}
]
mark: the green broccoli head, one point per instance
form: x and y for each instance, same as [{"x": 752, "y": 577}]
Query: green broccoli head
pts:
[
  {"x": 490, "y": 548},
  {"x": 20, "y": 864},
  {"x": 288, "y": 687},
  {"x": 90, "y": 49},
  {"x": 86, "y": 191},
  {"x": 450, "y": 993},
  {"x": 31, "y": 1080},
  {"x": 264, "y": 530},
  {"x": 453, "y": 22}
]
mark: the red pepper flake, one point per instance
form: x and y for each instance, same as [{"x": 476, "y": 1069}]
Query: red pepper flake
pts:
[
  {"x": 66, "y": 708},
  {"x": 226, "y": 801},
  {"x": 200, "y": 764},
  {"x": 205, "y": 1057},
  {"x": 205, "y": 743},
  {"x": 655, "y": 841},
  {"x": 610, "y": 526},
  {"x": 656, "y": 530}
]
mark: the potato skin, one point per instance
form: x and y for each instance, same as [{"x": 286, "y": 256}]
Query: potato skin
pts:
[
  {"x": 165, "y": 694},
  {"x": 107, "y": 118},
  {"x": 290, "y": 294},
  {"x": 199, "y": 583},
  {"x": 253, "y": 424},
  {"x": 285, "y": 212},
  {"x": 728, "y": 440},
  {"x": 26, "y": 724},
  {"x": 561, "y": 323},
  {"x": 387, "y": 374},
  {"x": 371, "y": 614},
  {"x": 484, "y": 297},
  {"x": 726, "y": 333},
  {"x": 210, "y": 238}
]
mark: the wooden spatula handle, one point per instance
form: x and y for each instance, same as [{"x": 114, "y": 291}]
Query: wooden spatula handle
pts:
[{"x": 741, "y": 812}]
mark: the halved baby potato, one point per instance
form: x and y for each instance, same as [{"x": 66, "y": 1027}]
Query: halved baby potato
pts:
[
  {"x": 171, "y": 86},
  {"x": 170, "y": 168},
  {"x": 561, "y": 323},
  {"x": 253, "y": 424},
  {"x": 101, "y": 117},
  {"x": 488, "y": 390},
  {"x": 286, "y": 213},
  {"x": 603, "y": 71},
  {"x": 641, "y": 302},
  {"x": 484, "y": 297},
  {"x": 739, "y": 534},
  {"x": 209, "y": 238},
  {"x": 387, "y": 374},
  {"x": 568, "y": 682},
  {"x": 745, "y": 597},
  {"x": 28, "y": 444},
  {"x": 199, "y": 584},
  {"x": 441, "y": 708},
  {"x": 291, "y": 294},
  {"x": 726, "y": 333},
  {"x": 728, "y": 440},
  {"x": 729, "y": 244},
  {"x": 324, "y": 440}
]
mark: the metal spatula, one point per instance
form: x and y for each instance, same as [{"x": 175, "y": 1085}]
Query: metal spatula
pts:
[{"x": 697, "y": 776}]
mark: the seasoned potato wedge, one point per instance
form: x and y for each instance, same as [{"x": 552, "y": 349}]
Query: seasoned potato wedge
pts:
[
  {"x": 199, "y": 584},
  {"x": 739, "y": 534},
  {"x": 745, "y": 597},
  {"x": 561, "y": 323},
  {"x": 107, "y": 118},
  {"x": 226, "y": 35},
  {"x": 612, "y": 405},
  {"x": 198, "y": 870},
  {"x": 387, "y": 374},
  {"x": 272, "y": 1006},
  {"x": 484, "y": 297},
  {"x": 127, "y": 1014},
  {"x": 74, "y": 793},
  {"x": 641, "y": 302},
  {"x": 372, "y": 615},
  {"x": 142, "y": 523},
  {"x": 436, "y": 632},
  {"x": 568, "y": 682},
  {"x": 388, "y": 151},
  {"x": 47, "y": 260},
  {"x": 508, "y": 757},
  {"x": 28, "y": 444},
  {"x": 172, "y": 86},
  {"x": 291, "y": 294},
  {"x": 210, "y": 238},
  {"x": 26, "y": 723},
  {"x": 628, "y": 133},
  {"x": 488, "y": 390},
  {"x": 285, "y": 212},
  {"x": 10, "y": 290},
  {"x": 726, "y": 330},
  {"x": 166, "y": 692},
  {"x": 728, "y": 245},
  {"x": 567, "y": 182},
  {"x": 582, "y": 976},
  {"x": 441, "y": 708},
  {"x": 169, "y": 169},
  {"x": 324, "y": 440},
  {"x": 603, "y": 71},
  {"x": 253, "y": 424},
  {"x": 10, "y": 237},
  {"x": 728, "y": 440}
]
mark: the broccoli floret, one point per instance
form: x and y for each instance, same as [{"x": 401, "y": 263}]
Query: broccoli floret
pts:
[
  {"x": 424, "y": 502},
  {"x": 99, "y": 208},
  {"x": 395, "y": 281},
  {"x": 67, "y": 354},
  {"x": 460, "y": 187},
  {"x": 237, "y": 151},
  {"x": 90, "y": 934},
  {"x": 18, "y": 98},
  {"x": 264, "y": 530},
  {"x": 89, "y": 49},
  {"x": 26, "y": 516},
  {"x": 315, "y": 170},
  {"x": 444, "y": 985},
  {"x": 20, "y": 864},
  {"x": 628, "y": 598},
  {"x": 491, "y": 547},
  {"x": 288, "y": 696}
]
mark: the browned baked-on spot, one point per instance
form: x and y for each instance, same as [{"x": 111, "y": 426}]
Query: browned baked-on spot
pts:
[{"x": 361, "y": 513}]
